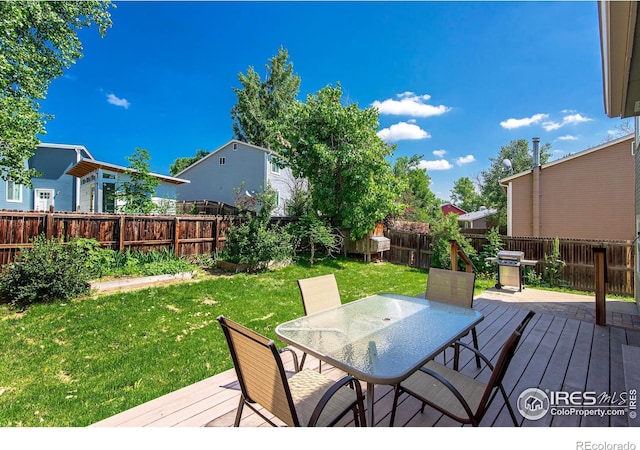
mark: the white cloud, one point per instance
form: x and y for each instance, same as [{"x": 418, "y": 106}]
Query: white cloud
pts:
[
  {"x": 439, "y": 153},
  {"x": 410, "y": 104},
  {"x": 568, "y": 137},
  {"x": 441, "y": 164},
  {"x": 402, "y": 131},
  {"x": 571, "y": 119},
  {"x": 118, "y": 101},
  {"x": 510, "y": 124},
  {"x": 465, "y": 160}
]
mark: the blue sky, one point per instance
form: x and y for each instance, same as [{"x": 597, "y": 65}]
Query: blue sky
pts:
[{"x": 454, "y": 81}]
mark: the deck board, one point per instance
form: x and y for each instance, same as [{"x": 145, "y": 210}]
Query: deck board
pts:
[{"x": 555, "y": 353}]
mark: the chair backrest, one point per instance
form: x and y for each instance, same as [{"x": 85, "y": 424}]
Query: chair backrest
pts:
[
  {"x": 449, "y": 286},
  {"x": 501, "y": 366},
  {"x": 319, "y": 293},
  {"x": 260, "y": 371}
]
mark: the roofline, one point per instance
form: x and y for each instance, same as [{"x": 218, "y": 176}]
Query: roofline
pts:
[
  {"x": 266, "y": 150},
  {"x": 66, "y": 146},
  {"x": 121, "y": 169},
  {"x": 569, "y": 157}
]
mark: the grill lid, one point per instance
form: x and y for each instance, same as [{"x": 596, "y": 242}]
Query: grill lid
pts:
[{"x": 511, "y": 255}]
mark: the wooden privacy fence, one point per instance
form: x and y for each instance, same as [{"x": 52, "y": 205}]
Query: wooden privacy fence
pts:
[
  {"x": 187, "y": 235},
  {"x": 414, "y": 249}
]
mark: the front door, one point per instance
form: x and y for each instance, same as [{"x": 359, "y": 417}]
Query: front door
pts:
[{"x": 43, "y": 199}]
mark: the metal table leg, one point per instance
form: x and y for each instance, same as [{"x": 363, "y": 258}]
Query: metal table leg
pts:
[{"x": 370, "y": 401}]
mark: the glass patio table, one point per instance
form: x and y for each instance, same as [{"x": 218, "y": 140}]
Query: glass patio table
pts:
[{"x": 380, "y": 339}]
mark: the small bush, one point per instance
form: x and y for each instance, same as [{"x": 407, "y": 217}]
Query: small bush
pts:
[
  {"x": 443, "y": 231},
  {"x": 46, "y": 272}
]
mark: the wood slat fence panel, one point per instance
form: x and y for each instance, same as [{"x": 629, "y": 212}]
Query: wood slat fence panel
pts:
[
  {"x": 414, "y": 249},
  {"x": 186, "y": 235}
]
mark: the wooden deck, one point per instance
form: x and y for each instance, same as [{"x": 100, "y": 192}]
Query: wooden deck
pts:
[{"x": 557, "y": 352}]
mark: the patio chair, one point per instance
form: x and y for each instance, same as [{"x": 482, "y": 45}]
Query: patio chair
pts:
[
  {"x": 459, "y": 396},
  {"x": 455, "y": 288},
  {"x": 307, "y": 398},
  {"x": 318, "y": 293}
]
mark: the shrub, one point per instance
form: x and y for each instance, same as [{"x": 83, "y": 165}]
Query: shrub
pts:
[
  {"x": 443, "y": 231},
  {"x": 46, "y": 272},
  {"x": 255, "y": 243},
  {"x": 489, "y": 250}
]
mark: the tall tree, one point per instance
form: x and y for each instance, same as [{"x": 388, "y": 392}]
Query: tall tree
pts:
[
  {"x": 136, "y": 192},
  {"x": 261, "y": 104},
  {"x": 39, "y": 39},
  {"x": 464, "y": 195},
  {"x": 421, "y": 203},
  {"x": 179, "y": 164},
  {"x": 336, "y": 148},
  {"x": 521, "y": 158}
]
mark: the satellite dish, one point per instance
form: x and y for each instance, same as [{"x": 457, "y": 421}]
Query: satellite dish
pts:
[{"x": 506, "y": 163}]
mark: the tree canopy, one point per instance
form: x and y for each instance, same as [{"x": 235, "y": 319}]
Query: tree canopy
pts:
[
  {"x": 261, "y": 104},
  {"x": 135, "y": 193},
  {"x": 464, "y": 195},
  {"x": 39, "y": 40},
  {"x": 521, "y": 157},
  {"x": 179, "y": 164},
  {"x": 421, "y": 203},
  {"x": 336, "y": 148}
]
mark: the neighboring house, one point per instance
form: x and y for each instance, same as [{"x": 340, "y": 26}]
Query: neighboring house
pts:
[
  {"x": 476, "y": 219},
  {"x": 99, "y": 181},
  {"x": 449, "y": 208},
  {"x": 237, "y": 165},
  {"x": 585, "y": 195},
  {"x": 53, "y": 187}
]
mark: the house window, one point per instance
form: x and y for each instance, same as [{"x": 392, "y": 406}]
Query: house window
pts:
[
  {"x": 277, "y": 199},
  {"x": 275, "y": 168},
  {"x": 14, "y": 192},
  {"x": 235, "y": 146},
  {"x": 223, "y": 161},
  {"x": 108, "y": 197}
]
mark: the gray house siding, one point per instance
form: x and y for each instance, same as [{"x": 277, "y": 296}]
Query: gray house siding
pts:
[
  {"x": 53, "y": 162},
  {"x": 25, "y": 202},
  {"x": 211, "y": 180}
]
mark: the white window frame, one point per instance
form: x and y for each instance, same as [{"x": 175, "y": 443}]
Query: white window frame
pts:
[
  {"x": 274, "y": 166},
  {"x": 11, "y": 186},
  {"x": 222, "y": 161}
]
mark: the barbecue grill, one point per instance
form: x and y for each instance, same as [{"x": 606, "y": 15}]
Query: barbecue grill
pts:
[{"x": 510, "y": 268}]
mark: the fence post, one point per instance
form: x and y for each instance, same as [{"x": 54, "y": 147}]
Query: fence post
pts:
[
  {"x": 216, "y": 235},
  {"x": 176, "y": 236},
  {"x": 49, "y": 225},
  {"x": 454, "y": 255},
  {"x": 121, "y": 234},
  {"x": 600, "y": 261}
]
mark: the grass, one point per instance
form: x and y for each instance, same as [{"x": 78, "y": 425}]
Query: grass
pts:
[{"x": 75, "y": 363}]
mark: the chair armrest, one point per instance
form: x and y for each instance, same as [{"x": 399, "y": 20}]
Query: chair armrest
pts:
[
  {"x": 296, "y": 366},
  {"x": 341, "y": 383},
  {"x": 451, "y": 388},
  {"x": 476, "y": 351}
]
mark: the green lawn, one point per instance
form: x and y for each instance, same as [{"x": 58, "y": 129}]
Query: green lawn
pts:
[{"x": 75, "y": 363}]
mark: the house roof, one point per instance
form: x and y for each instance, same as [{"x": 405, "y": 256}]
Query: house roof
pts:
[
  {"x": 619, "y": 31},
  {"x": 628, "y": 137},
  {"x": 212, "y": 154},
  {"x": 67, "y": 146},
  {"x": 482, "y": 213},
  {"x": 451, "y": 208},
  {"x": 87, "y": 166}
]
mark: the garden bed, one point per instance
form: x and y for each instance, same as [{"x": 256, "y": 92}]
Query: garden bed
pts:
[{"x": 139, "y": 282}]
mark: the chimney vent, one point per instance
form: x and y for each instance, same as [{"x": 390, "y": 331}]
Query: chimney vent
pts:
[{"x": 536, "y": 152}]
